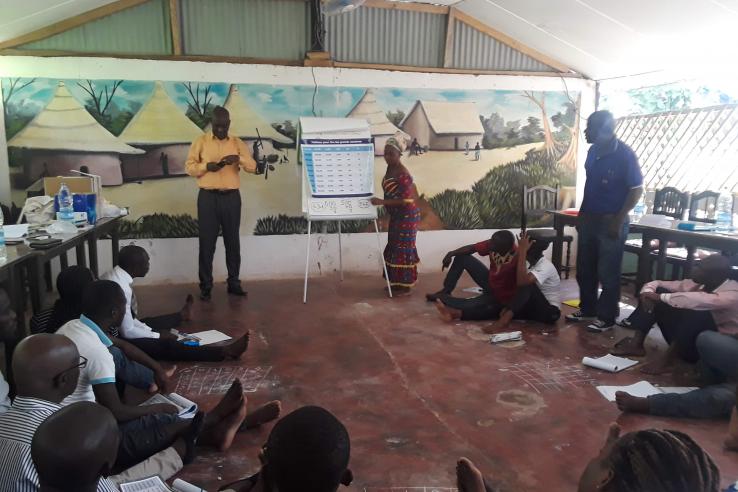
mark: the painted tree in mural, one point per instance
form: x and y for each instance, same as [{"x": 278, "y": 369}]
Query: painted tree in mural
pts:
[
  {"x": 396, "y": 117},
  {"x": 103, "y": 108},
  {"x": 199, "y": 103},
  {"x": 15, "y": 117},
  {"x": 539, "y": 99},
  {"x": 569, "y": 121}
]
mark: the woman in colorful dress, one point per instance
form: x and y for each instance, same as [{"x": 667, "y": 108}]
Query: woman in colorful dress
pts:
[{"x": 400, "y": 201}]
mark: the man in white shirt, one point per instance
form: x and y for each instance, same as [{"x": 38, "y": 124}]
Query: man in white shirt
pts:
[
  {"x": 538, "y": 287},
  {"x": 153, "y": 335}
]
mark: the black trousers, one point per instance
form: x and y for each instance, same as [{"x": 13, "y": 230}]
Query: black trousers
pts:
[
  {"x": 216, "y": 212},
  {"x": 679, "y": 326},
  {"x": 172, "y": 350},
  {"x": 530, "y": 303},
  {"x": 484, "y": 306}
]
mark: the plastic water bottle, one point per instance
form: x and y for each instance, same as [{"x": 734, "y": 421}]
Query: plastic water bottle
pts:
[
  {"x": 3, "y": 249},
  {"x": 638, "y": 211},
  {"x": 732, "y": 488},
  {"x": 66, "y": 204},
  {"x": 724, "y": 211}
]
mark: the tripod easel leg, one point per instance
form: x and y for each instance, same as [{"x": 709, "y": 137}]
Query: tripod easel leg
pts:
[
  {"x": 381, "y": 258},
  {"x": 307, "y": 265}
]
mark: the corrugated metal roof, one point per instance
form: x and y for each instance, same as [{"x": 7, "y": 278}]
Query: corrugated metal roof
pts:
[
  {"x": 142, "y": 29},
  {"x": 387, "y": 36},
  {"x": 473, "y": 49},
  {"x": 692, "y": 150},
  {"x": 246, "y": 28}
]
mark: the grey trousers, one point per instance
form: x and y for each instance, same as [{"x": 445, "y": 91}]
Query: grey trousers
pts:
[{"x": 719, "y": 367}]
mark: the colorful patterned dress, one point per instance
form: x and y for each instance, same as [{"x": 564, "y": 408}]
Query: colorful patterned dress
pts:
[{"x": 400, "y": 255}]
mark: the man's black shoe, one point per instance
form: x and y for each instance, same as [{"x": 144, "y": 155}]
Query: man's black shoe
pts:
[
  {"x": 205, "y": 295},
  {"x": 237, "y": 291}
]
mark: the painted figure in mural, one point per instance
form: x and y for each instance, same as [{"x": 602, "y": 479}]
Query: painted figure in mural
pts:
[
  {"x": 613, "y": 186},
  {"x": 496, "y": 282},
  {"x": 400, "y": 200},
  {"x": 215, "y": 159},
  {"x": 477, "y": 151},
  {"x": 466, "y": 148}
]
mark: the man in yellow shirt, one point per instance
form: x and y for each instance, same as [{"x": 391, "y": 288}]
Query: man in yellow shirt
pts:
[{"x": 215, "y": 159}]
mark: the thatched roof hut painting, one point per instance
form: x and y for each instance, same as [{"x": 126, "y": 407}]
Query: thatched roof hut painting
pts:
[
  {"x": 64, "y": 136},
  {"x": 164, "y": 132},
  {"x": 442, "y": 125},
  {"x": 381, "y": 127}
]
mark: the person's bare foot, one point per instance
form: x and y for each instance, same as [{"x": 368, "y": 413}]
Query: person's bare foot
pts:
[
  {"x": 186, "y": 310},
  {"x": 496, "y": 327},
  {"x": 433, "y": 297},
  {"x": 234, "y": 350},
  {"x": 221, "y": 435},
  {"x": 228, "y": 404},
  {"x": 731, "y": 440},
  {"x": 262, "y": 415},
  {"x": 662, "y": 364},
  {"x": 628, "y": 347},
  {"x": 630, "y": 403},
  {"x": 468, "y": 477},
  {"x": 444, "y": 312},
  {"x": 169, "y": 371}
]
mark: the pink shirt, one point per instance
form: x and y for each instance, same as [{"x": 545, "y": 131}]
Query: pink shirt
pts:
[{"x": 687, "y": 294}]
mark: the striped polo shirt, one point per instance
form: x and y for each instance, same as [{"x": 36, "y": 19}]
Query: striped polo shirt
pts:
[{"x": 17, "y": 427}]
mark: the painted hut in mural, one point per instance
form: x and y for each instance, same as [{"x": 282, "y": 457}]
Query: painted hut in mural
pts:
[
  {"x": 381, "y": 127},
  {"x": 245, "y": 121},
  {"x": 64, "y": 136},
  {"x": 162, "y": 129},
  {"x": 441, "y": 125}
]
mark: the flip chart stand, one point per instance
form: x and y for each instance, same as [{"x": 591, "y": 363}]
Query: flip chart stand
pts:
[{"x": 382, "y": 263}]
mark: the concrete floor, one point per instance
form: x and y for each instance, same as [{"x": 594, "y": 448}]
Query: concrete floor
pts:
[{"x": 416, "y": 393}]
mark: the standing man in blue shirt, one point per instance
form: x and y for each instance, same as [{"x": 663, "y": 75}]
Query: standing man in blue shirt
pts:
[{"x": 613, "y": 187}]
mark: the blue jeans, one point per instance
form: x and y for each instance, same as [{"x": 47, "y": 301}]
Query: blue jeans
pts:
[
  {"x": 599, "y": 262},
  {"x": 144, "y": 437},
  {"x": 719, "y": 367},
  {"x": 129, "y": 372}
]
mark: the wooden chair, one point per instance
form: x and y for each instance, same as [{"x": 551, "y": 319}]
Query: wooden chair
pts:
[
  {"x": 537, "y": 201},
  {"x": 703, "y": 207},
  {"x": 667, "y": 201}
]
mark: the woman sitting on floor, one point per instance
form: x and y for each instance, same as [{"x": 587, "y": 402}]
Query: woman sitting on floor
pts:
[
  {"x": 643, "y": 461},
  {"x": 70, "y": 283}
]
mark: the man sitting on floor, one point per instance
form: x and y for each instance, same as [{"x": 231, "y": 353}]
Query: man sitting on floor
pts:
[
  {"x": 46, "y": 368},
  {"x": 8, "y": 334},
  {"x": 146, "y": 429},
  {"x": 153, "y": 335},
  {"x": 75, "y": 448},
  {"x": 497, "y": 282},
  {"x": 537, "y": 293},
  {"x": 307, "y": 451},
  {"x": 684, "y": 309}
]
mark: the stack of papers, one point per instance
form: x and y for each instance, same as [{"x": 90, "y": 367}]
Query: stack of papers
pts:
[
  {"x": 152, "y": 484},
  {"x": 609, "y": 363},
  {"x": 204, "y": 337},
  {"x": 641, "y": 389},
  {"x": 186, "y": 409},
  {"x": 15, "y": 233}
]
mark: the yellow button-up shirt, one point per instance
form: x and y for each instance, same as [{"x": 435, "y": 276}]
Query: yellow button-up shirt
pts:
[{"x": 208, "y": 148}]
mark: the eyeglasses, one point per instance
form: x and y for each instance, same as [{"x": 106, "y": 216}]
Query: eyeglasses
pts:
[{"x": 82, "y": 364}]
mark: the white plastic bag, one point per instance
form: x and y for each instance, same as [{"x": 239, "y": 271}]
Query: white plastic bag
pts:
[{"x": 39, "y": 209}]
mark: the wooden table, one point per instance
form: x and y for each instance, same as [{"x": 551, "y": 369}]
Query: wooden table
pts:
[
  {"x": 106, "y": 226},
  {"x": 692, "y": 240}
]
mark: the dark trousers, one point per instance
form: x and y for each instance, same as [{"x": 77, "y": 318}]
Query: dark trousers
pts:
[
  {"x": 530, "y": 303},
  {"x": 219, "y": 212},
  {"x": 130, "y": 372},
  {"x": 484, "y": 306},
  {"x": 599, "y": 262},
  {"x": 679, "y": 326},
  {"x": 718, "y": 355},
  {"x": 172, "y": 350},
  {"x": 143, "y": 437},
  {"x": 163, "y": 322}
]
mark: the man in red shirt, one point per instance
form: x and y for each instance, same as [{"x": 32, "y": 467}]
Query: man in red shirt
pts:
[{"x": 497, "y": 282}]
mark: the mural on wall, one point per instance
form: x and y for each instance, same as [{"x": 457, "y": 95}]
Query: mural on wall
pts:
[{"x": 469, "y": 151}]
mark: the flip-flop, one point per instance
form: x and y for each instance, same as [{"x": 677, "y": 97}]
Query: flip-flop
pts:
[{"x": 625, "y": 323}]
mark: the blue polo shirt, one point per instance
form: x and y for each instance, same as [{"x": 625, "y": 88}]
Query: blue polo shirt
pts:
[{"x": 610, "y": 178}]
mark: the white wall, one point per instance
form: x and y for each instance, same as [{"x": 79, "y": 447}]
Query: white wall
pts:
[{"x": 174, "y": 260}]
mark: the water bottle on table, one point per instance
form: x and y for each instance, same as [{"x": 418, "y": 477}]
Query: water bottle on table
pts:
[
  {"x": 638, "y": 211},
  {"x": 724, "y": 211},
  {"x": 66, "y": 203},
  {"x": 3, "y": 249}
]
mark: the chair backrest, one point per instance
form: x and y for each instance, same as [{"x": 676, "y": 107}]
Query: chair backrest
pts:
[
  {"x": 670, "y": 202},
  {"x": 703, "y": 207},
  {"x": 537, "y": 200}
]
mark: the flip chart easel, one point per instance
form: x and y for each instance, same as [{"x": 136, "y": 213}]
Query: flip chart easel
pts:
[{"x": 337, "y": 156}]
